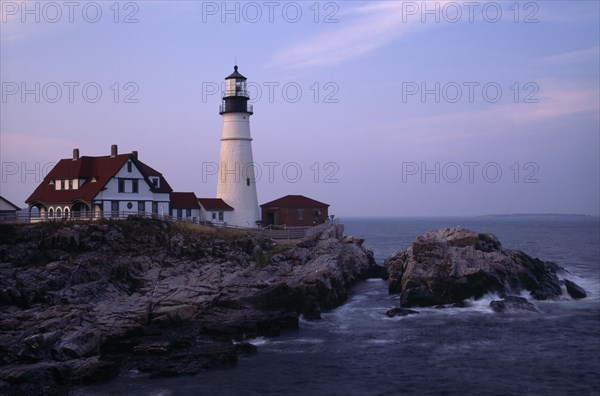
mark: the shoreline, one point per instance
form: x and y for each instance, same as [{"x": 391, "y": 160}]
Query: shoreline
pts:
[{"x": 151, "y": 296}]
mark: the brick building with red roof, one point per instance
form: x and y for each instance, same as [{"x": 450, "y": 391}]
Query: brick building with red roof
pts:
[{"x": 294, "y": 211}]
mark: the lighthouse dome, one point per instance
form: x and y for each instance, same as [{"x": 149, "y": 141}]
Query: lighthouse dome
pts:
[{"x": 236, "y": 75}]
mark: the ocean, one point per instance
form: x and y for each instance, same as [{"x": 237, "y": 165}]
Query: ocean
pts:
[{"x": 356, "y": 350}]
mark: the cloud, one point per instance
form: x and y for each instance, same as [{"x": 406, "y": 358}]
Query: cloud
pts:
[
  {"x": 574, "y": 56},
  {"x": 376, "y": 25},
  {"x": 556, "y": 100}
]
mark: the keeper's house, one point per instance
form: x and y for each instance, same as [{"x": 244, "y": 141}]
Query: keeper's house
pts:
[
  {"x": 110, "y": 186},
  {"x": 294, "y": 211}
]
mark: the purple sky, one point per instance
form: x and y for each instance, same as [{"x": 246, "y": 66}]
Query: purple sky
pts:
[{"x": 386, "y": 108}]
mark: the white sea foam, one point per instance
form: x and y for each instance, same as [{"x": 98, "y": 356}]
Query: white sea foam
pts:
[
  {"x": 380, "y": 341},
  {"x": 258, "y": 341},
  {"x": 161, "y": 392}
]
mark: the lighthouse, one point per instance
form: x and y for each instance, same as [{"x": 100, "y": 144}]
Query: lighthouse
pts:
[{"x": 237, "y": 184}]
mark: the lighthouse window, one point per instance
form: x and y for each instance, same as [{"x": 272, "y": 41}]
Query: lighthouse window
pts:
[{"x": 247, "y": 181}]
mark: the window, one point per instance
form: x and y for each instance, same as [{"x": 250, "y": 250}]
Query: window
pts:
[
  {"x": 70, "y": 184},
  {"x": 134, "y": 186},
  {"x": 121, "y": 185},
  {"x": 188, "y": 212},
  {"x": 214, "y": 216},
  {"x": 155, "y": 207},
  {"x": 114, "y": 207},
  {"x": 141, "y": 207},
  {"x": 220, "y": 216},
  {"x": 317, "y": 213},
  {"x": 129, "y": 205},
  {"x": 59, "y": 184},
  {"x": 247, "y": 181},
  {"x": 155, "y": 181},
  {"x": 300, "y": 214},
  {"x": 129, "y": 167}
]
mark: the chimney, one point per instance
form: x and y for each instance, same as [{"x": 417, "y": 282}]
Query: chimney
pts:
[
  {"x": 134, "y": 154},
  {"x": 113, "y": 151},
  {"x": 75, "y": 154}
]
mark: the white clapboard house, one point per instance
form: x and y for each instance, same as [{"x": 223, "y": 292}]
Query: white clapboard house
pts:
[{"x": 110, "y": 186}]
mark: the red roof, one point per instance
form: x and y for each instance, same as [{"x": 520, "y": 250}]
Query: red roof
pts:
[
  {"x": 295, "y": 201},
  {"x": 100, "y": 169},
  {"x": 184, "y": 200},
  {"x": 214, "y": 204}
]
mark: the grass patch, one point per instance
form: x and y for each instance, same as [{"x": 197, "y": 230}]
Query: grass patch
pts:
[
  {"x": 281, "y": 248},
  {"x": 262, "y": 257},
  {"x": 201, "y": 230}
]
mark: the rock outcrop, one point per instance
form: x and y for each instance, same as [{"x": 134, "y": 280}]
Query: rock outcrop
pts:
[
  {"x": 450, "y": 265},
  {"x": 574, "y": 289},
  {"x": 392, "y": 313},
  {"x": 80, "y": 301},
  {"x": 512, "y": 304}
]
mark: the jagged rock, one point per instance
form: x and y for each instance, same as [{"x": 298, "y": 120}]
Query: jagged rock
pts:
[
  {"x": 574, "y": 289},
  {"x": 400, "y": 312},
  {"x": 512, "y": 304},
  {"x": 377, "y": 271},
  {"x": 85, "y": 371},
  {"x": 80, "y": 301},
  {"x": 356, "y": 240},
  {"x": 453, "y": 264}
]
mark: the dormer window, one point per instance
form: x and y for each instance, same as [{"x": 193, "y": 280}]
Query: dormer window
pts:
[{"x": 156, "y": 182}]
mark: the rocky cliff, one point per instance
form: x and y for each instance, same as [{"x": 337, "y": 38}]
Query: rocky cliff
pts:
[
  {"x": 80, "y": 302},
  {"x": 450, "y": 265}
]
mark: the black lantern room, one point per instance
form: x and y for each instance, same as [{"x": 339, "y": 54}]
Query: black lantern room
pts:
[{"x": 235, "y": 97}]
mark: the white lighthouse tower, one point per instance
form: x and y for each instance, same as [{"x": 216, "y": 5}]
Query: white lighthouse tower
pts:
[{"x": 237, "y": 184}]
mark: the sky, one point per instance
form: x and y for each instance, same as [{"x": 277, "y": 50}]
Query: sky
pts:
[{"x": 378, "y": 108}]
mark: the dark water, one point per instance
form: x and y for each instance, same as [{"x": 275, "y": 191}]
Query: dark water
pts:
[{"x": 356, "y": 350}]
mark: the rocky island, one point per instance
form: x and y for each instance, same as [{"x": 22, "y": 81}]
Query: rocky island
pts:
[
  {"x": 80, "y": 302},
  {"x": 450, "y": 265}
]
